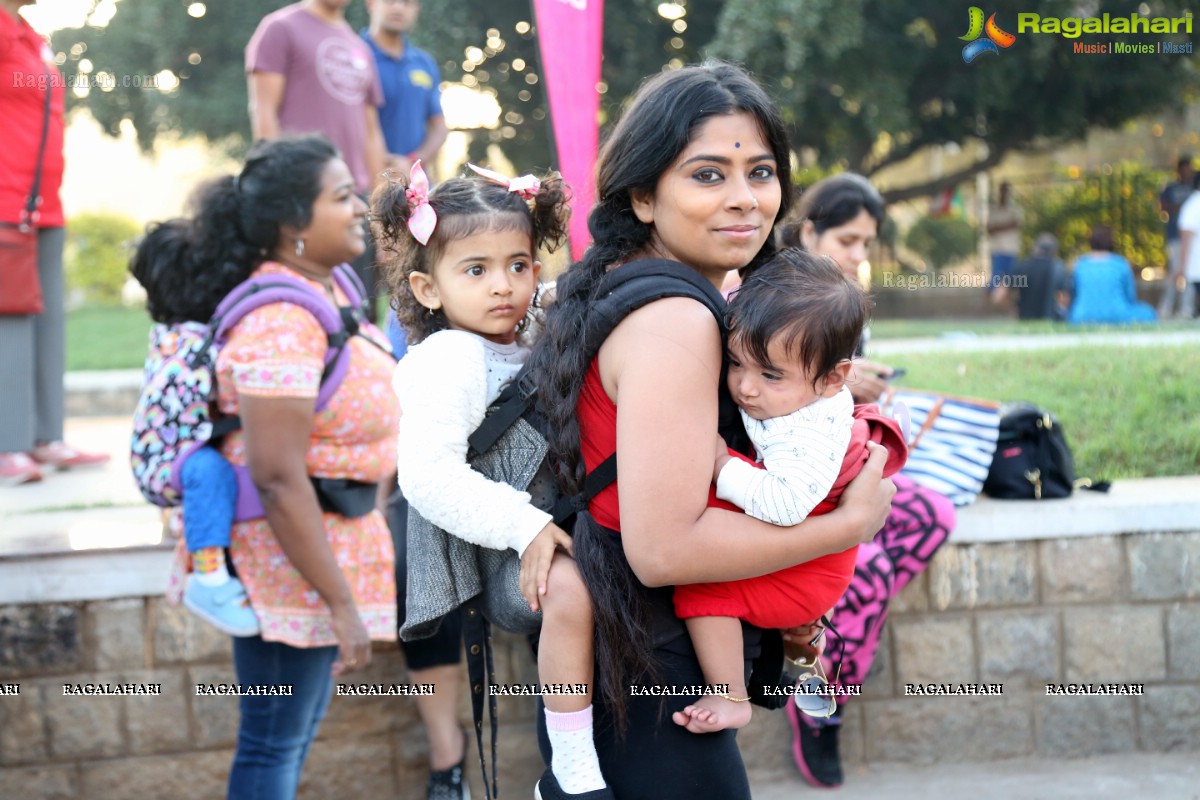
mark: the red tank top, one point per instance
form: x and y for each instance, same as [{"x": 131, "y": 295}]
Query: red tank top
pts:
[{"x": 598, "y": 440}]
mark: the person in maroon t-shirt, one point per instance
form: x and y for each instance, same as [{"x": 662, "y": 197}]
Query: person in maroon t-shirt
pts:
[
  {"x": 32, "y": 348},
  {"x": 309, "y": 72}
]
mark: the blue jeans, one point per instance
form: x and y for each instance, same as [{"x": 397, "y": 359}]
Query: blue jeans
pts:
[
  {"x": 209, "y": 498},
  {"x": 1002, "y": 268},
  {"x": 275, "y": 732}
]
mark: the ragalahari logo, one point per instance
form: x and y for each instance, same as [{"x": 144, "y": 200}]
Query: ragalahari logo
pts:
[{"x": 996, "y": 38}]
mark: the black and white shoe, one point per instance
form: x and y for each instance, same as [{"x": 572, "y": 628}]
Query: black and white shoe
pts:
[
  {"x": 548, "y": 789},
  {"x": 448, "y": 784}
]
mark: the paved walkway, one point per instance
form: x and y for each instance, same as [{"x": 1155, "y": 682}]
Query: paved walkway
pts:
[
  {"x": 1134, "y": 776},
  {"x": 81, "y": 509},
  {"x": 966, "y": 341}
]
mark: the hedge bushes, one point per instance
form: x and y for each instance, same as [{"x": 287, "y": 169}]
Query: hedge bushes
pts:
[{"x": 97, "y": 256}]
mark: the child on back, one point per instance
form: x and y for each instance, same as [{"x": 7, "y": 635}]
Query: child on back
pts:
[
  {"x": 183, "y": 292},
  {"x": 793, "y": 328},
  {"x": 463, "y": 274}
]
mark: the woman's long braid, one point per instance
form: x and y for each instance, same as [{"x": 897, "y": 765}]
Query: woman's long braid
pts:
[
  {"x": 623, "y": 632},
  {"x": 559, "y": 361},
  {"x": 655, "y": 128}
]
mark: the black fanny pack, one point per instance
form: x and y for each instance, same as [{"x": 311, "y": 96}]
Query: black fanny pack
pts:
[{"x": 346, "y": 497}]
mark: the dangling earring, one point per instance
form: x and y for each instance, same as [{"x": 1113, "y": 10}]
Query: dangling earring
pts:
[
  {"x": 429, "y": 312},
  {"x": 300, "y": 247}
]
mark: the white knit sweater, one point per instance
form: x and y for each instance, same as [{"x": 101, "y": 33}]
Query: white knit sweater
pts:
[
  {"x": 445, "y": 385},
  {"x": 803, "y": 453}
]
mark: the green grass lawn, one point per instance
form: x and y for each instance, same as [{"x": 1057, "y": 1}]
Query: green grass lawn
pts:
[
  {"x": 114, "y": 337},
  {"x": 100, "y": 337},
  {"x": 884, "y": 330},
  {"x": 103, "y": 337},
  {"x": 1127, "y": 411}
]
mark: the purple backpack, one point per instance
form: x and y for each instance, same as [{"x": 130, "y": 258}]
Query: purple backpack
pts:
[{"x": 174, "y": 415}]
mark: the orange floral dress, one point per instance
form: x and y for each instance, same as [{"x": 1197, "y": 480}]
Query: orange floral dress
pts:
[{"x": 278, "y": 351}]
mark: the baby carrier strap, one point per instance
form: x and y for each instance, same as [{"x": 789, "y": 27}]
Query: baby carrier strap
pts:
[
  {"x": 350, "y": 498},
  {"x": 256, "y": 292},
  {"x": 620, "y": 292}
]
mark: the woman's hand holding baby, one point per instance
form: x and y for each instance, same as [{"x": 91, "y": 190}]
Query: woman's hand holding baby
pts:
[{"x": 869, "y": 496}]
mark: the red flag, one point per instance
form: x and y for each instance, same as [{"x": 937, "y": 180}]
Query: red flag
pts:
[{"x": 569, "y": 36}]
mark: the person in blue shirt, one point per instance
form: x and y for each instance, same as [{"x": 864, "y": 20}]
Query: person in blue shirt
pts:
[
  {"x": 411, "y": 114},
  {"x": 1104, "y": 289}
]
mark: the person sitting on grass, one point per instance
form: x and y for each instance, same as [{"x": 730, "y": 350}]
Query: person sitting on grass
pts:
[{"x": 1105, "y": 292}]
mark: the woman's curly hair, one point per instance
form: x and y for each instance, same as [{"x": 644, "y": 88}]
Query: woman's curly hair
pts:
[
  {"x": 465, "y": 205},
  {"x": 188, "y": 264}
]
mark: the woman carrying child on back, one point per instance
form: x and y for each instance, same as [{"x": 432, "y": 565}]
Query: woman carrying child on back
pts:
[
  {"x": 463, "y": 275},
  {"x": 320, "y": 581}
]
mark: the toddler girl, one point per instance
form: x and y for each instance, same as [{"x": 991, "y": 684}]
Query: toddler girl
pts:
[{"x": 463, "y": 275}]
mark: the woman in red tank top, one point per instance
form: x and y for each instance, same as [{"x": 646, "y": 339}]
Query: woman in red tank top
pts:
[{"x": 695, "y": 172}]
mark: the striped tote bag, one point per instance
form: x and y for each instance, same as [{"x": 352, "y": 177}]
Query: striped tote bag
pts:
[{"x": 952, "y": 440}]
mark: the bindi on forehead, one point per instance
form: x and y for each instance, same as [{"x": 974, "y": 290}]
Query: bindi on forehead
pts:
[{"x": 737, "y": 144}]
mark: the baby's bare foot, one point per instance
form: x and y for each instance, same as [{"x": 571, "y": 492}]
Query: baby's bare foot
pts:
[{"x": 713, "y": 713}]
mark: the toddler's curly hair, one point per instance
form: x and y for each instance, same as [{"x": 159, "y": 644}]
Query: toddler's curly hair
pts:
[{"x": 465, "y": 205}]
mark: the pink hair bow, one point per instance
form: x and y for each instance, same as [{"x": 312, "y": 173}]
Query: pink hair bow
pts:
[
  {"x": 423, "y": 218},
  {"x": 527, "y": 186}
]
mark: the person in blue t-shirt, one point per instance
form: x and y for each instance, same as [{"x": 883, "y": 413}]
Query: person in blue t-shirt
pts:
[
  {"x": 1105, "y": 292},
  {"x": 411, "y": 114}
]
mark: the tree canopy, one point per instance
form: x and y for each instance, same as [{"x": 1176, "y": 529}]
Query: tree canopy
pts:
[
  {"x": 868, "y": 83},
  {"x": 490, "y": 46},
  {"x": 863, "y": 84}
]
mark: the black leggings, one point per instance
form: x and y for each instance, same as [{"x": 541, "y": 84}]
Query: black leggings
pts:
[
  {"x": 445, "y": 646},
  {"x": 657, "y": 759}
]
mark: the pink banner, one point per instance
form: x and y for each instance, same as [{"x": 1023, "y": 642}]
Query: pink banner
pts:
[{"x": 570, "y": 34}]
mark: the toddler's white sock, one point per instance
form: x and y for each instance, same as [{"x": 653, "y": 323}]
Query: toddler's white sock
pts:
[{"x": 574, "y": 762}]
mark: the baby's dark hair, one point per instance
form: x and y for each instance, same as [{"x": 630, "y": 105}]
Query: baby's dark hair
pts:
[
  {"x": 465, "y": 205},
  {"x": 806, "y": 300}
]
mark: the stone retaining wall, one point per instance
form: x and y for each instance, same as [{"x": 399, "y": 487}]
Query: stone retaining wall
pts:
[{"x": 1119, "y": 608}]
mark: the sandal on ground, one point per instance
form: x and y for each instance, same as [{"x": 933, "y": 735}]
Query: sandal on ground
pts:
[{"x": 61, "y": 455}]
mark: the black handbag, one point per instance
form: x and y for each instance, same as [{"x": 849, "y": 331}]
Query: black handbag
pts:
[{"x": 1033, "y": 460}]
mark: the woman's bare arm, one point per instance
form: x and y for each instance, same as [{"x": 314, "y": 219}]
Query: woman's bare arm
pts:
[
  {"x": 662, "y": 366},
  {"x": 277, "y": 440}
]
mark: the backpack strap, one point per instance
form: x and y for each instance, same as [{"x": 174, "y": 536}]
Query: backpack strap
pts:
[
  {"x": 257, "y": 292},
  {"x": 514, "y": 400},
  {"x": 623, "y": 291},
  {"x": 351, "y": 285}
]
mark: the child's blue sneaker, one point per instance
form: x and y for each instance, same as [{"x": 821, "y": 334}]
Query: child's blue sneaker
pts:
[{"x": 225, "y": 607}]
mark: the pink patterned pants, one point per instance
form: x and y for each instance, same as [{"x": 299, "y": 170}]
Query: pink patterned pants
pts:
[{"x": 920, "y": 521}]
